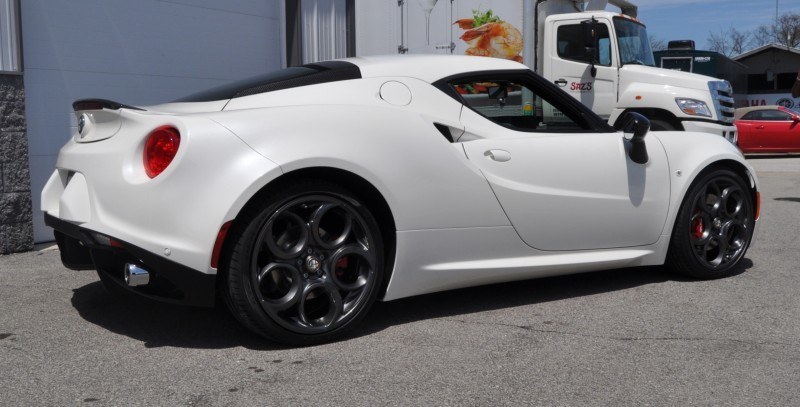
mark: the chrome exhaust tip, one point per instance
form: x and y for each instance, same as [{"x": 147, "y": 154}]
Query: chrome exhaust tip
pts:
[{"x": 136, "y": 276}]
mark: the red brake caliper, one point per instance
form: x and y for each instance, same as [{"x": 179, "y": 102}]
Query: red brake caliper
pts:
[{"x": 697, "y": 227}]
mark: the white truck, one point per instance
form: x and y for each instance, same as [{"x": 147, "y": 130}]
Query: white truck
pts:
[{"x": 602, "y": 58}]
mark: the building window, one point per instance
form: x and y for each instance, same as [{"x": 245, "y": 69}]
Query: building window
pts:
[{"x": 9, "y": 36}]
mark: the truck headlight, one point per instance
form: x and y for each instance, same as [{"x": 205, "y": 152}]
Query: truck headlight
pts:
[{"x": 693, "y": 107}]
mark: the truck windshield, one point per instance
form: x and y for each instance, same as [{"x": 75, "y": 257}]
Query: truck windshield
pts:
[{"x": 634, "y": 47}]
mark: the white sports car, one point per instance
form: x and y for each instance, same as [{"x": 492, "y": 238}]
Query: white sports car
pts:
[{"x": 303, "y": 195}]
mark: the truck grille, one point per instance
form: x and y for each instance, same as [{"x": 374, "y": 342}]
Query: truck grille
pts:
[{"x": 722, "y": 93}]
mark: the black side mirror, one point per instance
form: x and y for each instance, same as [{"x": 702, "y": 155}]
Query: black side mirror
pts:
[
  {"x": 635, "y": 126},
  {"x": 590, "y": 43},
  {"x": 499, "y": 92}
]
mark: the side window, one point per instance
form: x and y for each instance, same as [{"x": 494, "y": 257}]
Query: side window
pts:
[
  {"x": 512, "y": 105},
  {"x": 754, "y": 115},
  {"x": 775, "y": 115},
  {"x": 569, "y": 44}
]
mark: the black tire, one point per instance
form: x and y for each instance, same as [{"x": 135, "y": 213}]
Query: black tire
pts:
[
  {"x": 661, "y": 125},
  {"x": 714, "y": 226},
  {"x": 305, "y": 266}
]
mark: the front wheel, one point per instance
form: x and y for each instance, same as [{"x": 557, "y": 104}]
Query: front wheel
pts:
[
  {"x": 305, "y": 266},
  {"x": 714, "y": 226}
]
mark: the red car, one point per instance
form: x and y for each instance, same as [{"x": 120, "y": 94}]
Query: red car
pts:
[{"x": 768, "y": 129}]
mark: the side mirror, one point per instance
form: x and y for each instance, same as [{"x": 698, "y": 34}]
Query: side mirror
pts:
[
  {"x": 635, "y": 126},
  {"x": 589, "y": 33},
  {"x": 795, "y": 118},
  {"x": 499, "y": 92},
  {"x": 590, "y": 43}
]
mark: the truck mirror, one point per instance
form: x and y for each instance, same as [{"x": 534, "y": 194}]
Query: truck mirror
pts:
[
  {"x": 498, "y": 92},
  {"x": 589, "y": 33},
  {"x": 590, "y": 43},
  {"x": 635, "y": 126}
]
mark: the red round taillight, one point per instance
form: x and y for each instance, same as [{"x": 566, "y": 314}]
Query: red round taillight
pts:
[{"x": 161, "y": 147}]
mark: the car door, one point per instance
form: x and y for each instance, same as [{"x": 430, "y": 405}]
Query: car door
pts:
[
  {"x": 748, "y": 136},
  {"x": 563, "y": 184},
  {"x": 774, "y": 131},
  {"x": 793, "y": 133},
  {"x": 569, "y": 68}
]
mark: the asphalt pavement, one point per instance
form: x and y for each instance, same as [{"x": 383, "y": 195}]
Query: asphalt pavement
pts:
[{"x": 620, "y": 337}]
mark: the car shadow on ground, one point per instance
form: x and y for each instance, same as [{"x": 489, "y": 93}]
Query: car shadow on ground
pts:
[
  {"x": 158, "y": 324},
  {"x": 519, "y": 293}
]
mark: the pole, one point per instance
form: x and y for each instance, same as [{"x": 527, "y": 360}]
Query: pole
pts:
[{"x": 777, "y": 40}]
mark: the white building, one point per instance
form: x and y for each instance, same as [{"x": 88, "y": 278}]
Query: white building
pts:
[{"x": 138, "y": 53}]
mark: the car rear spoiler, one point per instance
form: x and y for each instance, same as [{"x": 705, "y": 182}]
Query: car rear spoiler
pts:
[{"x": 100, "y": 104}]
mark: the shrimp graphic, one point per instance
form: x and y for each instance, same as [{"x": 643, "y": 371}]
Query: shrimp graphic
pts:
[{"x": 497, "y": 39}]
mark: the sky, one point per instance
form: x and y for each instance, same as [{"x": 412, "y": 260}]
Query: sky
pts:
[{"x": 695, "y": 19}]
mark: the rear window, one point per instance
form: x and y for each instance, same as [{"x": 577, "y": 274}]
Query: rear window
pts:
[{"x": 311, "y": 74}]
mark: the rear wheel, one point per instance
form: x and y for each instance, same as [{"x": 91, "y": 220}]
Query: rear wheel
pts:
[
  {"x": 714, "y": 226},
  {"x": 305, "y": 266}
]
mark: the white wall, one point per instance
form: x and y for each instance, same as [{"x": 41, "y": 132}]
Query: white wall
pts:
[{"x": 135, "y": 52}]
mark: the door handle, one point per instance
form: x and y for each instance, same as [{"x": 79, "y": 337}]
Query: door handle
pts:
[
  {"x": 759, "y": 127},
  {"x": 560, "y": 82},
  {"x": 497, "y": 155}
]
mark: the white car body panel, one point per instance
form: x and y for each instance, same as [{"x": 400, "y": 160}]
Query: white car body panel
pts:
[
  {"x": 555, "y": 194},
  {"x": 383, "y": 158},
  {"x": 127, "y": 205},
  {"x": 452, "y": 230},
  {"x": 688, "y": 156},
  {"x": 462, "y": 258}
]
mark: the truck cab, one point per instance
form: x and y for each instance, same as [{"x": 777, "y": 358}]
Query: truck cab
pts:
[{"x": 604, "y": 60}]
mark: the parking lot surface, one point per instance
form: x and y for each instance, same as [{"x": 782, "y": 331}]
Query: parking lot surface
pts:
[{"x": 620, "y": 337}]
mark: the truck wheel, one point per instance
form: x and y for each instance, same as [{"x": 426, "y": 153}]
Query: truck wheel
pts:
[
  {"x": 305, "y": 266},
  {"x": 714, "y": 226}
]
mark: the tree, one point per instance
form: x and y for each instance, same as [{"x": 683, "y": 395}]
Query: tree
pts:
[
  {"x": 762, "y": 35},
  {"x": 730, "y": 42},
  {"x": 789, "y": 30},
  {"x": 786, "y": 32},
  {"x": 718, "y": 42},
  {"x": 657, "y": 44}
]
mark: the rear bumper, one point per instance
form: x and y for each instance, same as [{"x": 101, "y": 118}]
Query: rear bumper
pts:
[{"x": 169, "y": 281}]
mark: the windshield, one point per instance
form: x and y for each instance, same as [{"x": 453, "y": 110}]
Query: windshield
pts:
[{"x": 634, "y": 47}]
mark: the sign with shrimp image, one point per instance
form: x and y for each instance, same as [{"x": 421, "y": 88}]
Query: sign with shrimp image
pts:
[
  {"x": 487, "y": 34},
  {"x": 471, "y": 27}
]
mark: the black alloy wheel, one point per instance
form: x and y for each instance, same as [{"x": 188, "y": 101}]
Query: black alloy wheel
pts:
[
  {"x": 714, "y": 226},
  {"x": 306, "y": 266}
]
